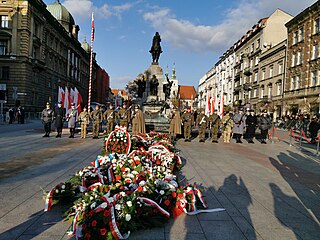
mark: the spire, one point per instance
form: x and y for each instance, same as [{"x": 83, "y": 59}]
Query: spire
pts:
[{"x": 174, "y": 71}]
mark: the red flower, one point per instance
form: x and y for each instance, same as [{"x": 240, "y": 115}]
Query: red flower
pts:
[
  {"x": 103, "y": 231},
  {"x": 87, "y": 236},
  {"x": 167, "y": 202},
  {"x": 118, "y": 178},
  {"x": 91, "y": 213},
  {"x": 139, "y": 189},
  {"x": 84, "y": 226},
  {"x": 106, "y": 213},
  {"x": 94, "y": 223},
  {"x": 174, "y": 194},
  {"x": 180, "y": 195}
]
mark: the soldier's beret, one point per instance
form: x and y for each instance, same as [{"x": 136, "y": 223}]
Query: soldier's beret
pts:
[
  {"x": 60, "y": 102},
  {"x": 72, "y": 104}
]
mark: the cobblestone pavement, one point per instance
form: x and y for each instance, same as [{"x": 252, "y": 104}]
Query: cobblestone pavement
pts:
[{"x": 269, "y": 191}]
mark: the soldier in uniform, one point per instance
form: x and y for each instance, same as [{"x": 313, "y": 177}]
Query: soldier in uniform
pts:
[
  {"x": 251, "y": 122},
  {"x": 239, "y": 120},
  {"x": 72, "y": 118},
  {"x": 202, "y": 122},
  {"x": 175, "y": 123},
  {"x": 265, "y": 123},
  {"x": 215, "y": 122},
  {"x": 138, "y": 123},
  {"x": 124, "y": 116},
  {"x": 187, "y": 119},
  {"x": 47, "y": 118},
  {"x": 84, "y": 121},
  {"x": 227, "y": 127},
  {"x": 110, "y": 117},
  {"x": 59, "y": 116},
  {"x": 96, "y": 117}
]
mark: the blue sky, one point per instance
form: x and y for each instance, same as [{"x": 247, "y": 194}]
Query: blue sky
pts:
[{"x": 194, "y": 33}]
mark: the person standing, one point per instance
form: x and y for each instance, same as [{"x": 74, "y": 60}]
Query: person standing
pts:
[
  {"x": 47, "y": 116},
  {"x": 215, "y": 122},
  {"x": 84, "y": 121},
  {"x": 124, "y": 116},
  {"x": 187, "y": 119},
  {"x": 314, "y": 127},
  {"x": 202, "y": 122},
  {"x": 11, "y": 115},
  {"x": 96, "y": 117},
  {"x": 72, "y": 118},
  {"x": 110, "y": 117},
  {"x": 227, "y": 127},
  {"x": 138, "y": 122},
  {"x": 18, "y": 114},
  {"x": 265, "y": 123},
  {"x": 239, "y": 120},
  {"x": 251, "y": 123},
  {"x": 59, "y": 116},
  {"x": 175, "y": 123}
]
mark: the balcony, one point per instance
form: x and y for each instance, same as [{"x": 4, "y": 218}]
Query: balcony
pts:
[
  {"x": 265, "y": 99},
  {"x": 237, "y": 76},
  {"x": 237, "y": 89},
  {"x": 247, "y": 71}
]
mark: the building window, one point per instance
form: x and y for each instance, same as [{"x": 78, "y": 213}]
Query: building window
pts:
[
  {"x": 293, "y": 60},
  {"x": 270, "y": 91},
  {"x": 263, "y": 74},
  {"x": 292, "y": 83},
  {"x": 4, "y": 74},
  {"x": 295, "y": 37},
  {"x": 271, "y": 71},
  {"x": 316, "y": 26},
  {"x": 298, "y": 82},
  {"x": 280, "y": 68},
  {"x": 4, "y": 21},
  {"x": 262, "y": 92},
  {"x": 313, "y": 79},
  {"x": 258, "y": 43},
  {"x": 251, "y": 63},
  {"x": 256, "y": 77},
  {"x": 3, "y": 47},
  {"x": 252, "y": 47},
  {"x": 301, "y": 34},
  {"x": 299, "y": 57},
  {"x": 279, "y": 89},
  {"x": 255, "y": 92},
  {"x": 315, "y": 51}
]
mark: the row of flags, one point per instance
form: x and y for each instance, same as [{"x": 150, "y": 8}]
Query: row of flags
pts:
[
  {"x": 67, "y": 97},
  {"x": 213, "y": 104}
]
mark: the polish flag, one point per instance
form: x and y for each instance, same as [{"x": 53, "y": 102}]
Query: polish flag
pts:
[
  {"x": 208, "y": 106},
  {"x": 61, "y": 95},
  {"x": 77, "y": 100},
  {"x": 222, "y": 105},
  {"x": 67, "y": 103},
  {"x": 72, "y": 96}
]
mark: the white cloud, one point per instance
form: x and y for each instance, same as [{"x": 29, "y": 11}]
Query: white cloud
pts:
[
  {"x": 120, "y": 82},
  {"x": 218, "y": 38}
]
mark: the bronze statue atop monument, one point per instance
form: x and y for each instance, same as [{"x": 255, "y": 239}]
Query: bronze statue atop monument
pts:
[{"x": 156, "y": 48}]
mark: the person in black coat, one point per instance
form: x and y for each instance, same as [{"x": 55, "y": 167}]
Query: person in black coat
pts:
[
  {"x": 314, "y": 127},
  {"x": 265, "y": 123},
  {"x": 251, "y": 123},
  {"x": 59, "y": 116}
]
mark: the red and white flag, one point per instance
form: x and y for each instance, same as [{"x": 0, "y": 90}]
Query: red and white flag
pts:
[
  {"x": 221, "y": 105},
  {"x": 208, "y": 107},
  {"x": 72, "y": 96},
  {"x": 77, "y": 100},
  {"x": 92, "y": 28},
  {"x": 61, "y": 95},
  {"x": 67, "y": 103}
]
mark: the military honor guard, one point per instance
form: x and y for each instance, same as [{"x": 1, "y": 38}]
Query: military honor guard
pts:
[
  {"x": 72, "y": 118},
  {"x": 175, "y": 123},
  {"x": 187, "y": 120},
  {"x": 202, "y": 122},
  {"x": 239, "y": 124},
  {"x": 59, "y": 117},
  {"x": 124, "y": 116},
  {"x": 84, "y": 120},
  {"x": 96, "y": 117},
  {"x": 265, "y": 123},
  {"x": 47, "y": 116},
  {"x": 138, "y": 122},
  {"x": 251, "y": 123},
  {"x": 227, "y": 127},
  {"x": 110, "y": 117},
  {"x": 215, "y": 122}
]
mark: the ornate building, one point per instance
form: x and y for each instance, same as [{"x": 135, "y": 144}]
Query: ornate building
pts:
[
  {"x": 40, "y": 51},
  {"x": 302, "y": 83}
]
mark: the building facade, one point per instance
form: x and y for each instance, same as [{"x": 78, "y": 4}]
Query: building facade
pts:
[
  {"x": 302, "y": 82},
  {"x": 40, "y": 52}
]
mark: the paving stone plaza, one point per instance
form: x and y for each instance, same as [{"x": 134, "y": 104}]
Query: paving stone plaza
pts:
[{"x": 268, "y": 191}]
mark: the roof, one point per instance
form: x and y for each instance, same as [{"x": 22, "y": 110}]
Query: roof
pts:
[
  {"x": 60, "y": 12},
  {"x": 116, "y": 92},
  {"x": 187, "y": 92}
]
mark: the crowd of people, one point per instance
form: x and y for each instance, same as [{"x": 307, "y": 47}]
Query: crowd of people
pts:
[
  {"x": 16, "y": 114},
  {"x": 239, "y": 125}
]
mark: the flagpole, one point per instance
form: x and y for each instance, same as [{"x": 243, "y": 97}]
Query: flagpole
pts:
[{"x": 91, "y": 62}]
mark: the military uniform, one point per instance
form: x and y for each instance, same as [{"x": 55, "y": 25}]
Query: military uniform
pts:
[
  {"x": 59, "y": 116},
  {"x": 96, "y": 117},
  {"x": 265, "y": 123},
  {"x": 110, "y": 117},
  {"x": 227, "y": 127},
  {"x": 215, "y": 122},
  {"x": 251, "y": 123},
  {"x": 239, "y": 125},
  {"x": 84, "y": 121},
  {"x": 175, "y": 123},
  {"x": 187, "y": 119},
  {"x": 47, "y": 116},
  {"x": 202, "y": 122},
  {"x": 72, "y": 118},
  {"x": 124, "y": 117},
  {"x": 138, "y": 122}
]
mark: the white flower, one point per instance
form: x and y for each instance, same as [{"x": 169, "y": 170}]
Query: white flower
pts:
[
  {"x": 63, "y": 186},
  {"x": 142, "y": 183},
  {"x": 118, "y": 207},
  {"x": 128, "y": 217},
  {"x": 91, "y": 198},
  {"x": 161, "y": 192},
  {"x": 122, "y": 194},
  {"x": 57, "y": 191},
  {"x": 62, "y": 190},
  {"x": 129, "y": 203}
]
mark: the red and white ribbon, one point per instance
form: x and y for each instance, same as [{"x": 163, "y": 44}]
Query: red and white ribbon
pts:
[
  {"x": 114, "y": 228},
  {"x": 48, "y": 204},
  {"x": 93, "y": 186},
  {"x": 74, "y": 225},
  {"x": 199, "y": 195},
  {"x": 153, "y": 203}
]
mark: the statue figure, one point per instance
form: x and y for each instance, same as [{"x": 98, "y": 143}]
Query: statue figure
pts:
[
  {"x": 141, "y": 87},
  {"x": 154, "y": 86},
  {"x": 167, "y": 88},
  {"x": 156, "y": 48}
]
